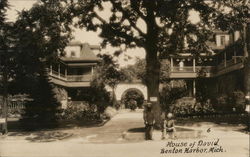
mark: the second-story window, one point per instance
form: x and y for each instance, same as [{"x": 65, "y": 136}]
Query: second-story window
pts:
[
  {"x": 72, "y": 54},
  {"x": 223, "y": 40}
]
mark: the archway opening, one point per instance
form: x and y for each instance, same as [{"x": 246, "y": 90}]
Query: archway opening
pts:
[{"x": 132, "y": 99}]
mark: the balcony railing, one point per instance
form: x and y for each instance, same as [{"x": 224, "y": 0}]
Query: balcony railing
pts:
[
  {"x": 79, "y": 78},
  {"x": 186, "y": 69},
  {"x": 208, "y": 69},
  {"x": 71, "y": 78},
  {"x": 191, "y": 69}
]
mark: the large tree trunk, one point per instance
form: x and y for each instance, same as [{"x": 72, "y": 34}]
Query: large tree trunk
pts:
[
  {"x": 153, "y": 77},
  {"x": 152, "y": 61},
  {"x": 152, "y": 82}
]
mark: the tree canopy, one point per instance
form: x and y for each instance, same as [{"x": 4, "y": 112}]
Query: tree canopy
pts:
[
  {"x": 41, "y": 32},
  {"x": 159, "y": 18},
  {"x": 138, "y": 71}
]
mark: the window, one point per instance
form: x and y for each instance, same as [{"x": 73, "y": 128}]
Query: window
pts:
[
  {"x": 72, "y": 54},
  {"x": 223, "y": 40}
]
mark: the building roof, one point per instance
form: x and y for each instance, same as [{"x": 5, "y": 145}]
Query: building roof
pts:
[{"x": 86, "y": 53}]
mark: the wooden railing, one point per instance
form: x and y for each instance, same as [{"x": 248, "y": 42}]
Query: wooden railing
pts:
[
  {"x": 71, "y": 78},
  {"x": 208, "y": 69},
  {"x": 182, "y": 69},
  {"x": 79, "y": 78},
  {"x": 15, "y": 105},
  {"x": 190, "y": 69}
]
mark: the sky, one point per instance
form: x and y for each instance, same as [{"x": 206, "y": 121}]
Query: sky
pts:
[{"x": 127, "y": 58}]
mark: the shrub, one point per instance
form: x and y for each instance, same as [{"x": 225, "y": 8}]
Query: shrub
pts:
[
  {"x": 222, "y": 104},
  {"x": 208, "y": 108},
  {"x": 187, "y": 106},
  {"x": 95, "y": 95},
  {"x": 109, "y": 112},
  {"x": 183, "y": 106},
  {"x": 80, "y": 111},
  {"x": 238, "y": 100},
  {"x": 169, "y": 95},
  {"x": 133, "y": 99},
  {"x": 132, "y": 104}
]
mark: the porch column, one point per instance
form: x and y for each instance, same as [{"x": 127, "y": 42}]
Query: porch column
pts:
[
  {"x": 194, "y": 69},
  {"x": 65, "y": 72},
  {"x": 172, "y": 84},
  {"x": 194, "y": 87},
  {"x": 225, "y": 59},
  {"x": 59, "y": 70},
  {"x": 171, "y": 64},
  {"x": 50, "y": 68},
  {"x": 235, "y": 59},
  {"x": 92, "y": 70}
]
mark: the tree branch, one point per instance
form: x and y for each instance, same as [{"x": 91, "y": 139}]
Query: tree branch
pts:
[
  {"x": 126, "y": 13},
  {"x": 119, "y": 33}
]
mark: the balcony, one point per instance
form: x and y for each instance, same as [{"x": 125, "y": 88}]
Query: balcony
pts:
[
  {"x": 230, "y": 65},
  {"x": 224, "y": 67},
  {"x": 190, "y": 71},
  {"x": 70, "y": 80}
]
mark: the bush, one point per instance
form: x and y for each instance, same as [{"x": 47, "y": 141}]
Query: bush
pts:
[
  {"x": 223, "y": 104},
  {"x": 208, "y": 108},
  {"x": 238, "y": 100},
  {"x": 133, "y": 99},
  {"x": 230, "y": 103},
  {"x": 95, "y": 95},
  {"x": 80, "y": 111},
  {"x": 132, "y": 104},
  {"x": 109, "y": 112},
  {"x": 189, "y": 107},
  {"x": 169, "y": 96}
]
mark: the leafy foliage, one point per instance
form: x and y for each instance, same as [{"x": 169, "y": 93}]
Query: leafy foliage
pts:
[
  {"x": 133, "y": 99},
  {"x": 40, "y": 33},
  {"x": 95, "y": 95},
  {"x": 138, "y": 71},
  {"x": 232, "y": 102},
  {"x": 7, "y": 53},
  {"x": 42, "y": 110},
  {"x": 107, "y": 73},
  {"x": 236, "y": 15},
  {"x": 189, "y": 107},
  {"x": 121, "y": 27},
  {"x": 238, "y": 99},
  {"x": 80, "y": 112},
  {"x": 169, "y": 95}
]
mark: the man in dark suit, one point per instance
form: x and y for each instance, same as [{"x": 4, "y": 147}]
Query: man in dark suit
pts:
[{"x": 149, "y": 121}]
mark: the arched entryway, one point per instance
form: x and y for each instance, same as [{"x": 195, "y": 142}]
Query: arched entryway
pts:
[{"x": 132, "y": 98}]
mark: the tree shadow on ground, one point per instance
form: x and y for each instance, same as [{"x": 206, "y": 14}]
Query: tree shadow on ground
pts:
[
  {"x": 14, "y": 125},
  {"x": 48, "y": 136},
  {"x": 42, "y": 136},
  {"x": 137, "y": 129}
]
